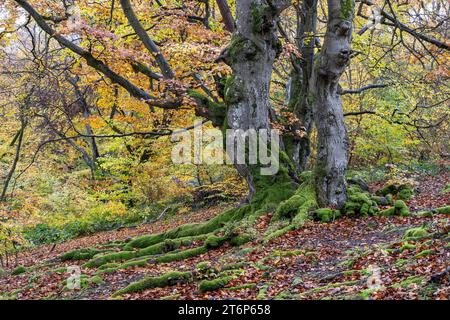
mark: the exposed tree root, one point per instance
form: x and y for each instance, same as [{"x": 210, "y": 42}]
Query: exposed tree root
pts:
[
  {"x": 168, "y": 279},
  {"x": 291, "y": 211}
]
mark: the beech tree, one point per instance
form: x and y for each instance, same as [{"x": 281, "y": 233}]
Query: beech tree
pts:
[{"x": 243, "y": 99}]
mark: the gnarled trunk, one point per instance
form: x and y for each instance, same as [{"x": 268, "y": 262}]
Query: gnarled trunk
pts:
[
  {"x": 251, "y": 55},
  {"x": 327, "y": 106}
]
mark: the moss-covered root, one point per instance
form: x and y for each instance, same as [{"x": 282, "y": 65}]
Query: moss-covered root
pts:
[
  {"x": 298, "y": 206},
  {"x": 430, "y": 213},
  {"x": 211, "y": 285},
  {"x": 100, "y": 260},
  {"x": 400, "y": 209},
  {"x": 360, "y": 202},
  {"x": 168, "y": 279},
  {"x": 181, "y": 255},
  {"x": 190, "y": 230},
  {"x": 443, "y": 210},
  {"x": 416, "y": 234},
  {"x": 81, "y": 254},
  {"x": 327, "y": 215},
  {"x": 19, "y": 270},
  {"x": 157, "y": 249},
  {"x": 402, "y": 191}
]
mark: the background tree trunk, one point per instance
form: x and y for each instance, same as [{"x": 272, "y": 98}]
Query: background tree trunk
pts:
[
  {"x": 16, "y": 159},
  {"x": 332, "y": 154},
  {"x": 299, "y": 148},
  {"x": 227, "y": 17}
]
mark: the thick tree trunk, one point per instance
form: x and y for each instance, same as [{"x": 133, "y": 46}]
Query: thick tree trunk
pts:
[
  {"x": 327, "y": 106},
  {"x": 299, "y": 148},
  {"x": 251, "y": 55}
]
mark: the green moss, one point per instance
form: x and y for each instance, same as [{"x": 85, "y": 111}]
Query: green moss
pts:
[
  {"x": 234, "y": 90},
  {"x": 112, "y": 245},
  {"x": 298, "y": 206},
  {"x": 287, "y": 253},
  {"x": 349, "y": 263},
  {"x": 144, "y": 241},
  {"x": 233, "y": 266},
  {"x": 402, "y": 191},
  {"x": 390, "y": 199},
  {"x": 381, "y": 201},
  {"x": 109, "y": 266},
  {"x": 185, "y": 254},
  {"x": 405, "y": 194},
  {"x": 347, "y": 7},
  {"x": 262, "y": 20},
  {"x": 97, "y": 280},
  {"x": 232, "y": 272},
  {"x": 190, "y": 230},
  {"x": 59, "y": 270},
  {"x": 327, "y": 287},
  {"x": 134, "y": 263},
  {"x": 416, "y": 234},
  {"x": 425, "y": 214},
  {"x": 242, "y": 287},
  {"x": 327, "y": 215},
  {"x": 366, "y": 294},
  {"x": 289, "y": 208},
  {"x": 401, "y": 208},
  {"x": 400, "y": 263},
  {"x": 443, "y": 210},
  {"x": 407, "y": 246},
  {"x": 279, "y": 233},
  {"x": 388, "y": 212},
  {"x": 80, "y": 254},
  {"x": 111, "y": 257},
  {"x": 168, "y": 279},
  {"x": 262, "y": 291},
  {"x": 211, "y": 285},
  {"x": 169, "y": 245},
  {"x": 414, "y": 280},
  {"x": 359, "y": 202},
  {"x": 19, "y": 270},
  {"x": 203, "y": 266},
  {"x": 241, "y": 239},
  {"x": 214, "y": 241},
  {"x": 240, "y": 48},
  {"x": 425, "y": 253},
  {"x": 388, "y": 189},
  {"x": 217, "y": 110},
  {"x": 446, "y": 189}
]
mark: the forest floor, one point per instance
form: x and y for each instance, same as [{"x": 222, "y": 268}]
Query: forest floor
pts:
[{"x": 365, "y": 258}]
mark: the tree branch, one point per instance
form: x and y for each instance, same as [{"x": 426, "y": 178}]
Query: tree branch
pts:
[
  {"x": 148, "y": 43},
  {"x": 405, "y": 28},
  {"x": 362, "y": 89},
  {"x": 91, "y": 60},
  {"x": 227, "y": 17}
]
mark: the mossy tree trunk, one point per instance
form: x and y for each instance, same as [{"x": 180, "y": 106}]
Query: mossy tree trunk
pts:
[
  {"x": 251, "y": 55},
  {"x": 332, "y": 159},
  {"x": 298, "y": 147}
]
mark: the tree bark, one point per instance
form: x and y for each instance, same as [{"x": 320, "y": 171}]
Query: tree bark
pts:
[
  {"x": 227, "y": 17},
  {"x": 251, "y": 56},
  {"x": 299, "y": 148},
  {"x": 15, "y": 161},
  {"x": 332, "y": 154}
]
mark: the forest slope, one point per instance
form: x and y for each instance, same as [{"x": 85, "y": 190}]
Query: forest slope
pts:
[{"x": 366, "y": 258}]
